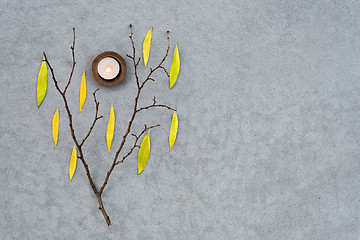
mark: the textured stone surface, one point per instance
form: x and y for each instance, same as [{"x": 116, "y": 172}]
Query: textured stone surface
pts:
[{"x": 268, "y": 105}]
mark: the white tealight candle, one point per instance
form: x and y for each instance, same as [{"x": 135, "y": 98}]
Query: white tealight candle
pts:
[{"x": 108, "y": 68}]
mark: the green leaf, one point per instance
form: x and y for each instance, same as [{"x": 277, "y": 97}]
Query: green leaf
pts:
[
  {"x": 110, "y": 128},
  {"x": 144, "y": 153},
  {"x": 72, "y": 166},
  {"x": 42, "y": 83},
  {"x": 146, "y": 46},
  {"x": 82, "y": 91},
  {"x": 175, "y": 67},
  {"x": 55, "y": 127},
  {"x": 173, "y": 130}
]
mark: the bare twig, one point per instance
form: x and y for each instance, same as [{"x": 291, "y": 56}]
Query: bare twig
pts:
[
  {"x": 155, "y": 105},
  {"x": 74, "y": 62},
  {"x": 64, "y": 98},
  {"x": 135, "y": 142},
  {"x": 95, "y": 118},
  {"x": 160, "y": 64},
  {"x": 134, "y": 56},
  {"x": 165, "y": 71}
]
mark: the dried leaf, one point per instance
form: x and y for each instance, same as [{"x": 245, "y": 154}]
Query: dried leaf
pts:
[
  {"x": 42, "y": 83},
  {"x": 173, "y": 130},
  {"x": 175, "y": 67},
  {"x": 55, "y": 127},
  {"x": 144, "y": 153},
  {"x": 146, "y": 46},
  {"x": 110, "y": 128},
  {"x": 73, "y": 163},
  {"x": 82, "y": 91}
]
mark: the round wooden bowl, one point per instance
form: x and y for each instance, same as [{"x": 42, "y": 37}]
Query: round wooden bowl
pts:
[{"x": 118, "y": 79}]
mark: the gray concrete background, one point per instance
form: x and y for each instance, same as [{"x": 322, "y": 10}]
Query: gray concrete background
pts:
[{"x": 268, "y": 105}]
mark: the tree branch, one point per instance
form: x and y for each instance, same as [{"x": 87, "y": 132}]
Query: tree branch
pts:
[
  {"x": 165, "y": 71},
  {"x": 64, "y": 99},
  {"x": 154, "y": 105},
  {"x": 74, "y": 62},
  {"x": 135, "y": 142},
  {"x": 135, "y": 111},
  {"x": 160, "y": 64},
  {"x": 79, "y": 146},
  {"x": 134, "y": 56},
  {"x": 95, "y": 118}
]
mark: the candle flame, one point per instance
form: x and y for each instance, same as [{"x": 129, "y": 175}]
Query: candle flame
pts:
[{"x": 108, "y": 69}]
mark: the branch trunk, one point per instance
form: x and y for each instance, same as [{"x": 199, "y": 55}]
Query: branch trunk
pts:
[
  {"x": 97, "y": 194},
  {"x": 102, "y": 209}
]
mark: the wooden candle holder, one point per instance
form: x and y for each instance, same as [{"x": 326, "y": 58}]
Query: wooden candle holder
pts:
[{"x": 118, "y": 79}]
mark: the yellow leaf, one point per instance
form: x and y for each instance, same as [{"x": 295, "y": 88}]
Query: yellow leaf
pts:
[
  {"x": 42, "y": 83},
  {"x": 175, "y": 67},
  {"x": 173, "y": 130},
  {"x": 110, "y": 128},
  {"x": 82, "y": 91},
  {"x": 144, "y": 153},
  {"x": 73, "y": 163},
  {"x": 146, "y": 46},
  {"x": 55, "y": 126}
]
